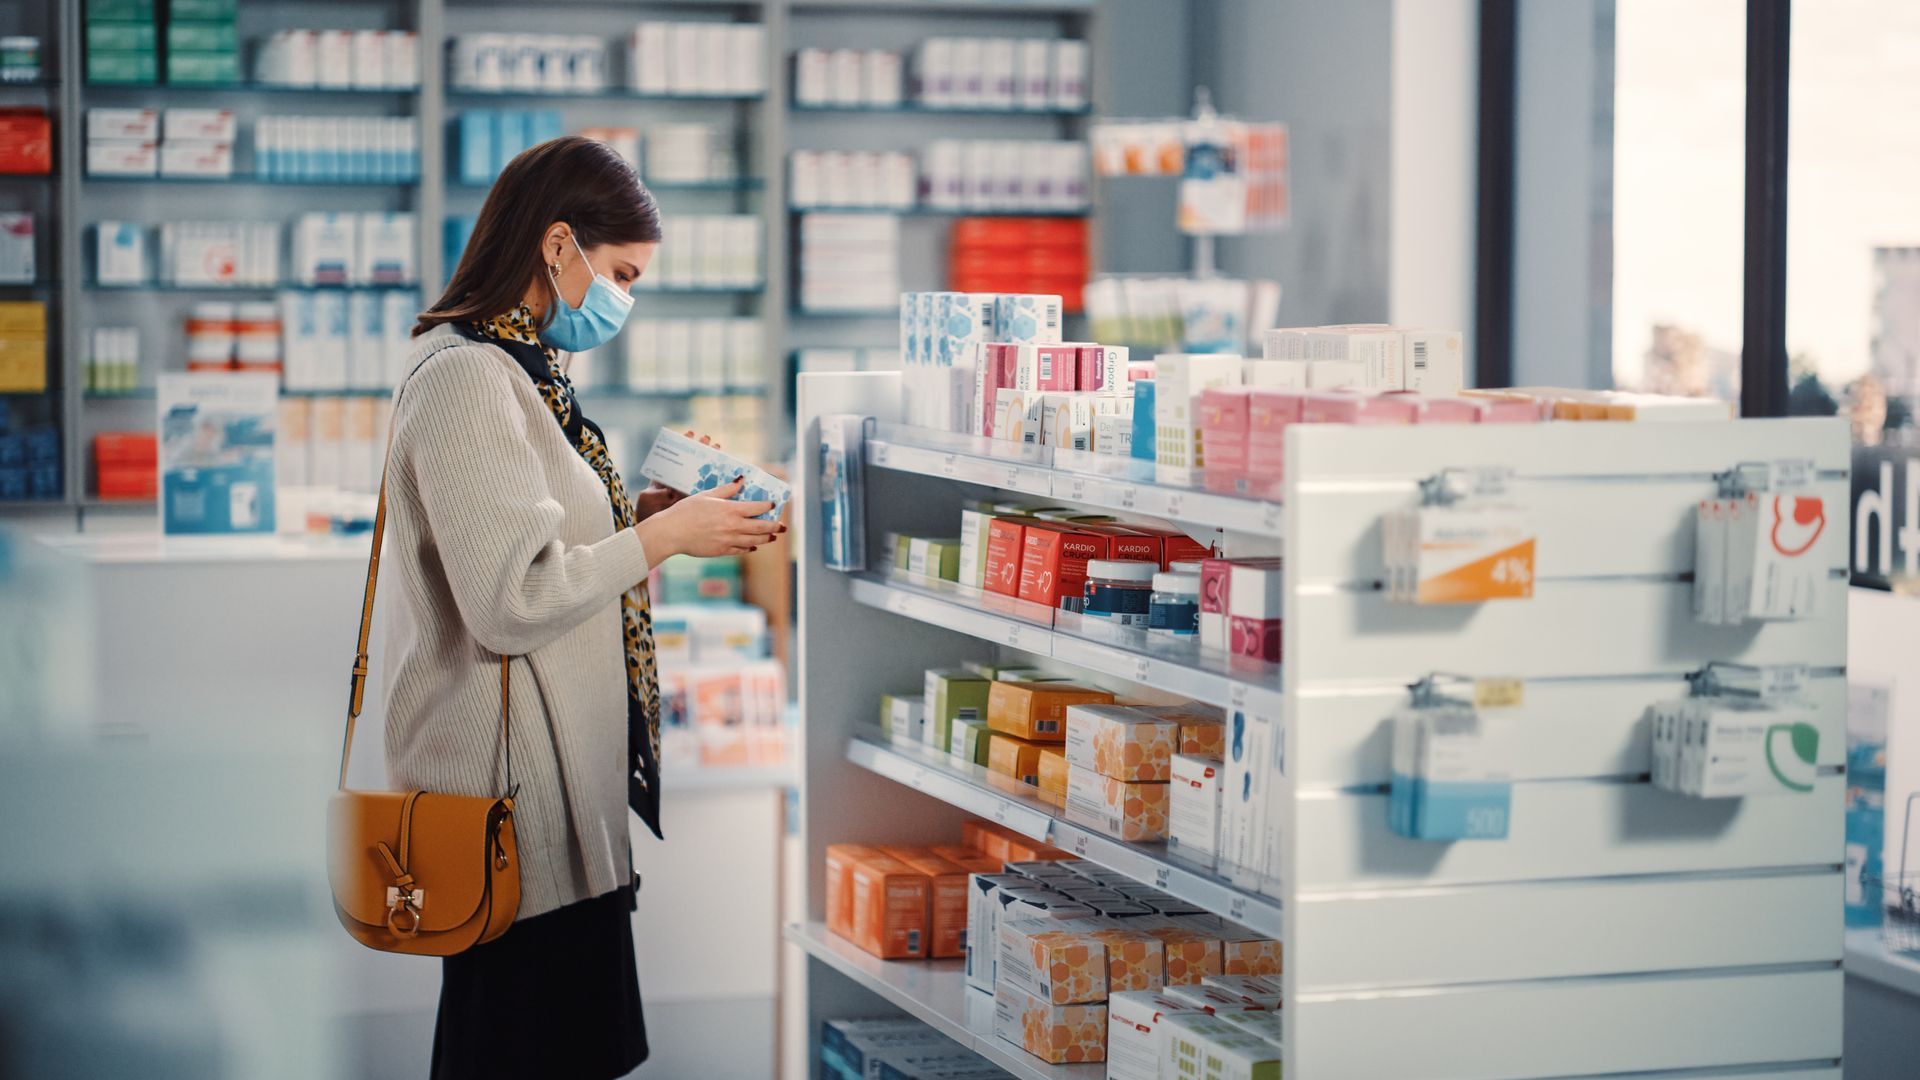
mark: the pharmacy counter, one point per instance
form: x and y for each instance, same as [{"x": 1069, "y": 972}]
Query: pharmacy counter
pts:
[{"x": 206, "y": 637}]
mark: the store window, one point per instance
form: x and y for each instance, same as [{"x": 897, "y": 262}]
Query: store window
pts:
[
  {"x": 1853, "y": 255},
  {"x": 1678, "y": 175}
]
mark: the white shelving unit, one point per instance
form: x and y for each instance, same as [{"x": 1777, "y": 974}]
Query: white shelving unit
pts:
[
  {"x": 765, "y": 128},
  {"x": 1620, "y": 930}
]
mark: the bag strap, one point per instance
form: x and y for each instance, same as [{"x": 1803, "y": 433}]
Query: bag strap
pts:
[{"x": 359, "y": 686}]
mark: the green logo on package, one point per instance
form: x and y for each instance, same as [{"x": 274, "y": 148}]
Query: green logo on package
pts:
[{"x": 1796, "y": 770}]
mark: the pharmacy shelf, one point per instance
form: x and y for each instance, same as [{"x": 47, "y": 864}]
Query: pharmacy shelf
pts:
[
  {"x": 172, "y": 286},
  {"x": 1121, "y": 484},
  {"x": 633, "y": 393},
  {"x": 55, "y": 503},
  {"x": 1176, "y": 666},
  {"x": 939, "y": 211},
  {"x": 243, "y": 178},
  {"x": 700, "y": 290},
  {"x": 142, "y": 393},
  {"x": 612, "y": 93},
  {"x": 1869, "y": 958},
  {"x": 961, "y": 7},
  {"x": 892, "y": 312},
  {"x": 1019, "y": 807},
  {"x": 920, "y": 109},
  {"x": 935, "y": 992},
  {"x": 249, "y": 88},
  {"x": 750, "y": 183}
]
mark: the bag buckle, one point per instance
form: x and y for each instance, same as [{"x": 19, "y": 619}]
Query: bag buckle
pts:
[{"x": 405, "y": 904}]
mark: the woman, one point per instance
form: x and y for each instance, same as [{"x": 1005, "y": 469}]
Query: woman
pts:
[{"x": 513, "y": 535}]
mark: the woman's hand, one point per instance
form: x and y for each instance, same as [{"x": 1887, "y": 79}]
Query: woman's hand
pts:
[
  {"x": 657, "y": 496},
  {"x": 708, "y": 524}
]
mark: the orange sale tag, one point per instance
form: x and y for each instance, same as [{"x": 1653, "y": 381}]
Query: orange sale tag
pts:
[{"x": 1466, "y": 555}]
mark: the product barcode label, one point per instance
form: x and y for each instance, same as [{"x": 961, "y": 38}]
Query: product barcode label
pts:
[
  {"x": 1160, "y": 876},
  {"x": 1789, "y": 473},
  {"x": 1237, "y": 908},
  {"x": 1419, "y": 356},
  {"x": 1079, "y": 844}
]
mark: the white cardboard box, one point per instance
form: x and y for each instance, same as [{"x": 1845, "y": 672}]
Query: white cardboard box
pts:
[{"x": 1193, "y": 814}]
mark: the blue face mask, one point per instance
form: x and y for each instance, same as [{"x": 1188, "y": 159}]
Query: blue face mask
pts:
[{"x": 600, "y": 315}]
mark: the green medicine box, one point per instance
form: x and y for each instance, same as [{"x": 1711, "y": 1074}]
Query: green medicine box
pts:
[
  {"x": 970, "y": 740},
  {"x": 203, "y": 69},
  {"x": 122, "y": 68},
  {"x": 119, "y": 11},
  {"x": 203, "y": 37},
  {"x": 125, "y": 37},
  {"x": 932, "y": 557},
  {"x": 953, "y": 695},
  {"x": 204, "y": 10}
]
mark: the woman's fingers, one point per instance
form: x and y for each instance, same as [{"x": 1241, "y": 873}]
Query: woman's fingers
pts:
[{"x": 729, "y": 490}]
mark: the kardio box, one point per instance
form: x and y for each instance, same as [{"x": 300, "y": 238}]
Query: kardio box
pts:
[
  {"x": 1006, "y": 550},
  {"x": 1053, "y": 564},
  {"x": 1037, "y": 711},
  {"x": 1120, "y": 742}
]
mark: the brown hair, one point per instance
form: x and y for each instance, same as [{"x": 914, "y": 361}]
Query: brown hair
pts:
[{"x": 574, "y": 179}]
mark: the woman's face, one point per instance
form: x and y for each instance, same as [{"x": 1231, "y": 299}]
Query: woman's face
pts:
[{"x": 621, "y": 264}]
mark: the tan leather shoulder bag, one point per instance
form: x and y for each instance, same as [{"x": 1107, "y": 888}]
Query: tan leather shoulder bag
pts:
[{"x": 417, "y": 871}]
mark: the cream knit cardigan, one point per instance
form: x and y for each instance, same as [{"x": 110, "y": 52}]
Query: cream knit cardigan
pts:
[{"x": 501, "y": 541}]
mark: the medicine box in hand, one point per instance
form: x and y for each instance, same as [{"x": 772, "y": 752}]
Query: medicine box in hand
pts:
[{"x": 691, "y": 466}]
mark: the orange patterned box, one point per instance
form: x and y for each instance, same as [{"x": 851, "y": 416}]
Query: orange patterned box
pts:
[
  {"x": 1053, "y": 770},
  {"x": 1136, "y": 960},
  {"x": 985, "y": 837},
  {"x": 1243, "y": 953},
  {"x": 1203, "y": 728},
  {"x": 1126, "y": 744},
  {"x": 1016, "y": 758},
  {"x": 1056, "y": 1034},
  {"x": 840, "y": 860},
  {"x": 890, "y": 908},
  {"x": 1120, "y": 808},
  {"x": 1060, "y": 962},
  {"x": 1037, "y": 711},
  {"x": 1021, "y": 849},
  {"x": 1192, "y": 954},
  {"x": 946, "y": 900}
]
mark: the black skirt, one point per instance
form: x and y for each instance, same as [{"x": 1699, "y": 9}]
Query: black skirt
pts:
[{"x": 557, "y": 995}]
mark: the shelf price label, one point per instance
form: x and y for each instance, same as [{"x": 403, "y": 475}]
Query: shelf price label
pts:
[
  {"x": 950, "y": 465},
  {"x": 1161, "y": 875},
  {"x": 1270, "y": 517},
  {"x": 879, "y": 453},
  {"x": 1176, "y": 506},
  {"x": 1079, "y": 845},
  {"x": 1491, "y": 693}
]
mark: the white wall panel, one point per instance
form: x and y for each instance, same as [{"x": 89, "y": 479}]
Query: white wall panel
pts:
[
  {"x": 1570, "y": 830},
  {"x": 1546, "y": 930},
  {"x": 1573, "y": 628},
  {"x": 1578, "y": 1028},
  {"x": 1579, "y": 527},
  {"x": 1564, "y": 730},
  {"x": 1322, "y": 455}
]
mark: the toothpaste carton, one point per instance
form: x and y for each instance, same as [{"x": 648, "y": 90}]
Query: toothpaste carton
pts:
[
  {"x": 974, "y": 518},
  {"x": 690, "y": 466},
  {"x": 1254, "y": 611},
  {"x": 1179, "y": 379}
]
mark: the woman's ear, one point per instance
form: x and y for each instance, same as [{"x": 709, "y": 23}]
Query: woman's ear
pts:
[{"x": 554, "y": 242}]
